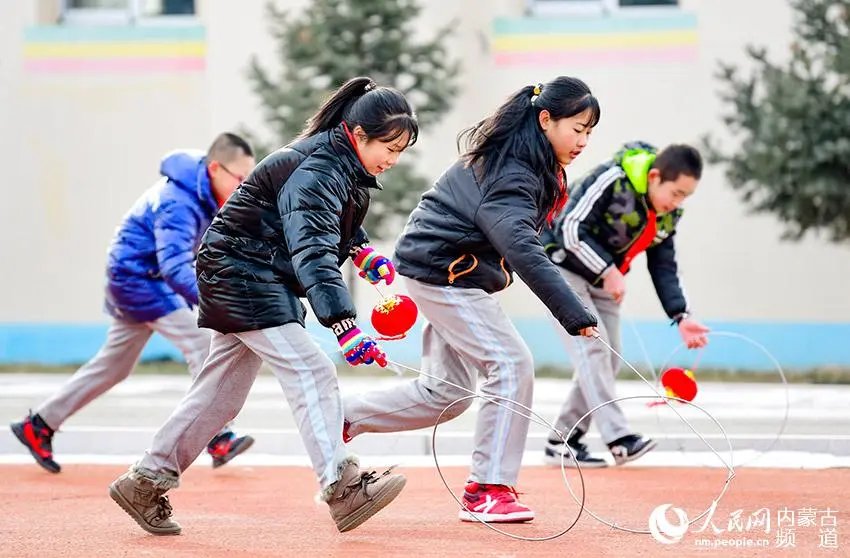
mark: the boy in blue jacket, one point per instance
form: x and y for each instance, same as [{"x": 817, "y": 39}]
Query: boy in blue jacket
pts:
[{"x": 151, "y": 287}]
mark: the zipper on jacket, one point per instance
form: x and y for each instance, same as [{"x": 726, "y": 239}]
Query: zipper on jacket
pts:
[
  {"x": 505, "y": 271},
  {"x": 453, "y": 275}
]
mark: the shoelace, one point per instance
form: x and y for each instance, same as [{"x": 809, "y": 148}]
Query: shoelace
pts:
[
  {"x": 627, "y": 440},
  {"x": 221, "y": 448},
  {"x": 502, "y": 489},
  {"x": 579, "y": 446},
  {"x": 222, "y": 445},
  {"x": 163, "y": 508},
  {"x": 364, "y": 481},
  {"x": 44, "y": 439}
]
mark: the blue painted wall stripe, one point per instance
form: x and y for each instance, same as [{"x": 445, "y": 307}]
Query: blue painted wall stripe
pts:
[
  {"x": 675, "y": 21},
  {"x": 112, "y": 33},
  {"x": 795, "y": 345}
]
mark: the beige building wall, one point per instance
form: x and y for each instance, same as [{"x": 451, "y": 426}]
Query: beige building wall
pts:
[{"x": 78, "y": 150}]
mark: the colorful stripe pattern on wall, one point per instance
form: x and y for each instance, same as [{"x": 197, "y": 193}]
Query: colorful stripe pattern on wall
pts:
[
  {"x": 111, "y": 49},
  {"x": 589, "y": 41}
]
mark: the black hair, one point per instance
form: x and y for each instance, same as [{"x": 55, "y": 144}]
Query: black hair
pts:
[
  {"x": 514, "y": 131},
  {"x": 226, "y": 147},
  {"x": 678, "y": 159},
  {"x": 382, "y": 112}
]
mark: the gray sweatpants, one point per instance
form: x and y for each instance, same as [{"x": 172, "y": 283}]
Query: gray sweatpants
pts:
[
  {"x": 119, "y": 356},
  {"x": 306, "y": 374},
  {"x": 467, "y": 333},
  {"x": 596, "y": 367}
]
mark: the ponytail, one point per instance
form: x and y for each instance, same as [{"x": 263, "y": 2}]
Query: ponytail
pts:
[
  {"x": 332, "y": 111},
  {"x": 490, "y": 141},
  {"x": 382, "y": 112},
  {"x": 514, "y": 131}
]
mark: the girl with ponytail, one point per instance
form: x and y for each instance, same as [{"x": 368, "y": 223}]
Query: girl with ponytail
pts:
[
  {"x": 469, "y": 233},
  {"x": 281, "y": 237}
]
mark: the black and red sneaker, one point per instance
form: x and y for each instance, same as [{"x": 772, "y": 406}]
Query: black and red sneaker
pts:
[
  {"x": 226, "y": 445},
  {"x": 34, "y": 433}
]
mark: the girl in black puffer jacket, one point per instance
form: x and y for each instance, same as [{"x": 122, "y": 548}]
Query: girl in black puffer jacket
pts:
[
  {"x": 469, "y": 232},
  {"x": 281, "y": 237}
]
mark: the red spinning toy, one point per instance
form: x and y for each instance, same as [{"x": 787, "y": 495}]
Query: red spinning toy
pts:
[
  {"x": 394, "y": 316},
  {"x": 679, "y": 383}
]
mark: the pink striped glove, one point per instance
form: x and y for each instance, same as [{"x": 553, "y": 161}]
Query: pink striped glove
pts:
[
  {"x": 373, "y": 266},
  {"x": 357, "y": 347}
]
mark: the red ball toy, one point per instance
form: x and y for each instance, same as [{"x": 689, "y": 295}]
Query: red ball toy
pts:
[
  {"x": 679, "y": 383},
  {"x": 394, "y": 316}
]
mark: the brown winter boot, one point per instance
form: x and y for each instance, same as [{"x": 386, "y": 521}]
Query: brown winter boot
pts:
[
  {"x": 140, "y": 493},
  {"x": 357, "y": 496}
]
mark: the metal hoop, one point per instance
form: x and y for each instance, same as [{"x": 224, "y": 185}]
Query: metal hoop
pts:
[
  {"x": 491, "y": 398},
  {"x": 730, "y": 475},
  {"x": 776, "y": 364}
]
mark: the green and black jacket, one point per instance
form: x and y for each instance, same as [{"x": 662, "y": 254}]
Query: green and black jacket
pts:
[{"x": 609, "y": 220}]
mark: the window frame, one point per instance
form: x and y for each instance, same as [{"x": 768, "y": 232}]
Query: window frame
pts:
[
  {"x": 592, "y": 7},
  {"x": 131, "y": 15}
]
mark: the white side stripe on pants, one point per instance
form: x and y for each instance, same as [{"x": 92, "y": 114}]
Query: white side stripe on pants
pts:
[
  {"x": 311, "y": 396},
  {"x": 479, "y": 329}
]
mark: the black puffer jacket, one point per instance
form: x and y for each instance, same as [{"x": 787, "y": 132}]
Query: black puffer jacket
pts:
[
  {"x": 283, "y": 235},
  {"x": 470, "y": 234}
]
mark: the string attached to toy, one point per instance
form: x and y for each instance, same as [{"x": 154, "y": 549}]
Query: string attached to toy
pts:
[{"x": 380, "y": 293}]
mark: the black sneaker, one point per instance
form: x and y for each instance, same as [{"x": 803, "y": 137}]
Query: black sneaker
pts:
[
  {"x": 226, "y": 445},
  {"x": 630, "y": 447},
  {"x": 555, "y": 448},
  {"x": 34, "y": 433}
]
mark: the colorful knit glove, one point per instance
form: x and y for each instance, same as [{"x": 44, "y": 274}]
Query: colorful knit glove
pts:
[
  {"x": 374, "y": 267},
  {"x": 357, "y": 347}
]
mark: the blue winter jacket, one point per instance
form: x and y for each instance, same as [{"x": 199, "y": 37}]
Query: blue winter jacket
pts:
[{"x": 151, "y": 265}]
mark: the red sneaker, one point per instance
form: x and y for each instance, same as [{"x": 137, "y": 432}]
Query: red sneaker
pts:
[
  {"x": 493, "y": 503},
  {"x": 34, "y": 433},
  {"x": 226, "y": 445}
]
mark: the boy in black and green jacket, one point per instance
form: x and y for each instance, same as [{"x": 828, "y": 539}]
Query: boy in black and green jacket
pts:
[{"x": 625, "y": 206}]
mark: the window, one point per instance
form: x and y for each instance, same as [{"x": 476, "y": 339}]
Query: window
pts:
[
  {"x": 98, "y": 4},
  {"x": 168, "y": 7},
  {"x": 593, "y": 7},
  {"x": 124, "y": 11},
  {"x": 626, "y": 3}
]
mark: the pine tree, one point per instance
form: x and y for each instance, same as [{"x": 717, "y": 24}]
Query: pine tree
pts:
[
  {"x": 327, "y": 42},
  {"x": 790, "y": 126}
]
